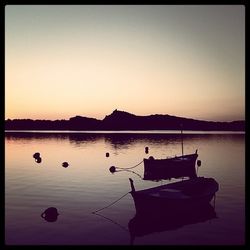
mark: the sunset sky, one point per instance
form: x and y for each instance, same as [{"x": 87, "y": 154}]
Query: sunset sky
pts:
[{"x": 63, "y": 61}]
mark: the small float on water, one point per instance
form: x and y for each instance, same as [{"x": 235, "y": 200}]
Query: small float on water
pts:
[{"x": 50, "y": 214}]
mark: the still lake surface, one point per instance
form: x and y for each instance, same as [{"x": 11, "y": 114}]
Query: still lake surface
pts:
[{"x": 87, "y": 185}]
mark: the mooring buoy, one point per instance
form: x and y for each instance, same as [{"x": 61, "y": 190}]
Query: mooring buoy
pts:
[
  {"x": 199, "y": 163},
  {"x": 112, "y": 169},
  {"x": 50, "y": 214},
  {"x": 38, "y": 160},
  {"x": 36, "y": 155},
  {"x": 65, "y": 164}
]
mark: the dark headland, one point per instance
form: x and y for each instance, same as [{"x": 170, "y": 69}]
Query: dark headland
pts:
[{"x": 121, "y": 120}]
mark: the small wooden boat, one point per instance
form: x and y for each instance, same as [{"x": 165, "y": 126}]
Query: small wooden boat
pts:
[
  {"x": 175, "y": 167},
  {"x": 185, "y": 193}
]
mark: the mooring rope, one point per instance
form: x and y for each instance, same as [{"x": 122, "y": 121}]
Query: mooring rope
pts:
[
  {"x": 110, "y": 204},
  {"x": 133, "y": 166}
]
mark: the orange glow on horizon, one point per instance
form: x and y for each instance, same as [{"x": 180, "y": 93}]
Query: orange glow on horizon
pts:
[{"x": 143, "y": 62}]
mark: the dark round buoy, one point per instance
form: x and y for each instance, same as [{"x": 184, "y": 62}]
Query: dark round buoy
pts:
[
  {"x": 38, "y": 160},
  {"x": 198, "y": 163},
  {"x": 146, "y": 150},
  {"x": 65, "y": 164},
  {"x": 36, "y": 155},
  {"x": 50, "y": 214},
  {"x": 107, "y": 154},
  {"x": 112, "y": 169}
]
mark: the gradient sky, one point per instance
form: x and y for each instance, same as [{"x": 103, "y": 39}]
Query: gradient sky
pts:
[{"x": 62, "y": 61}]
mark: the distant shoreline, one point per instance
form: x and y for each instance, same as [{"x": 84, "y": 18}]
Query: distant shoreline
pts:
[{"x": 124, "y": 121}]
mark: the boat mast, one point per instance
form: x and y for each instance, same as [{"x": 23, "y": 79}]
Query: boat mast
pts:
[{"x": 181, "y": 140}]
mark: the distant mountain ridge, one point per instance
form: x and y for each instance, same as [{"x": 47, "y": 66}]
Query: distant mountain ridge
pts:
[{"x": 121, "y": 120}]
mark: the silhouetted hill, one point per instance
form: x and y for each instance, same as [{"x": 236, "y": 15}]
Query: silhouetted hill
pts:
[
  {"x": 121, "y": 120},
  {"x": 84, "y": 123}
]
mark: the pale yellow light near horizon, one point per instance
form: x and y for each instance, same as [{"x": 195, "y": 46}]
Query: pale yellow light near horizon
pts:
[{"x": 68, "y": 73}]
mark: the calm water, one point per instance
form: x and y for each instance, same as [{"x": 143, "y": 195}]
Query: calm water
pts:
[{"x": 87, "y": 185}]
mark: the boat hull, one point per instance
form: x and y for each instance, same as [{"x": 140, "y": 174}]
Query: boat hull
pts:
[
  {"x": 181, "y": 166},
  {"x": 183, "y": 194}
]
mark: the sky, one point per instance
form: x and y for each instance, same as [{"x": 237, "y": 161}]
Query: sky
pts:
[{"x": 88, "y": 60}]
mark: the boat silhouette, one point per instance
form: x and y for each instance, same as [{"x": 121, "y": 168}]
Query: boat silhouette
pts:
[
  {"x": 171, "y": 167},
  {"x": 185, "y": 193},
  {"x": 174, "y": 167}
]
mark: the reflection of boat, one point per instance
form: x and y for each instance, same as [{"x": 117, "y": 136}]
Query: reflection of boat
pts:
[
  {"x": 170, "y": 219},
  {"x": 186, "y": 193},
  {"x": 178, "y": 166}
]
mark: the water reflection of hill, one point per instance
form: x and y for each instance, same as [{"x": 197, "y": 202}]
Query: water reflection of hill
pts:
[
  {"x": 31, "y": 135},
  {"x": 118, "y": 140}
]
